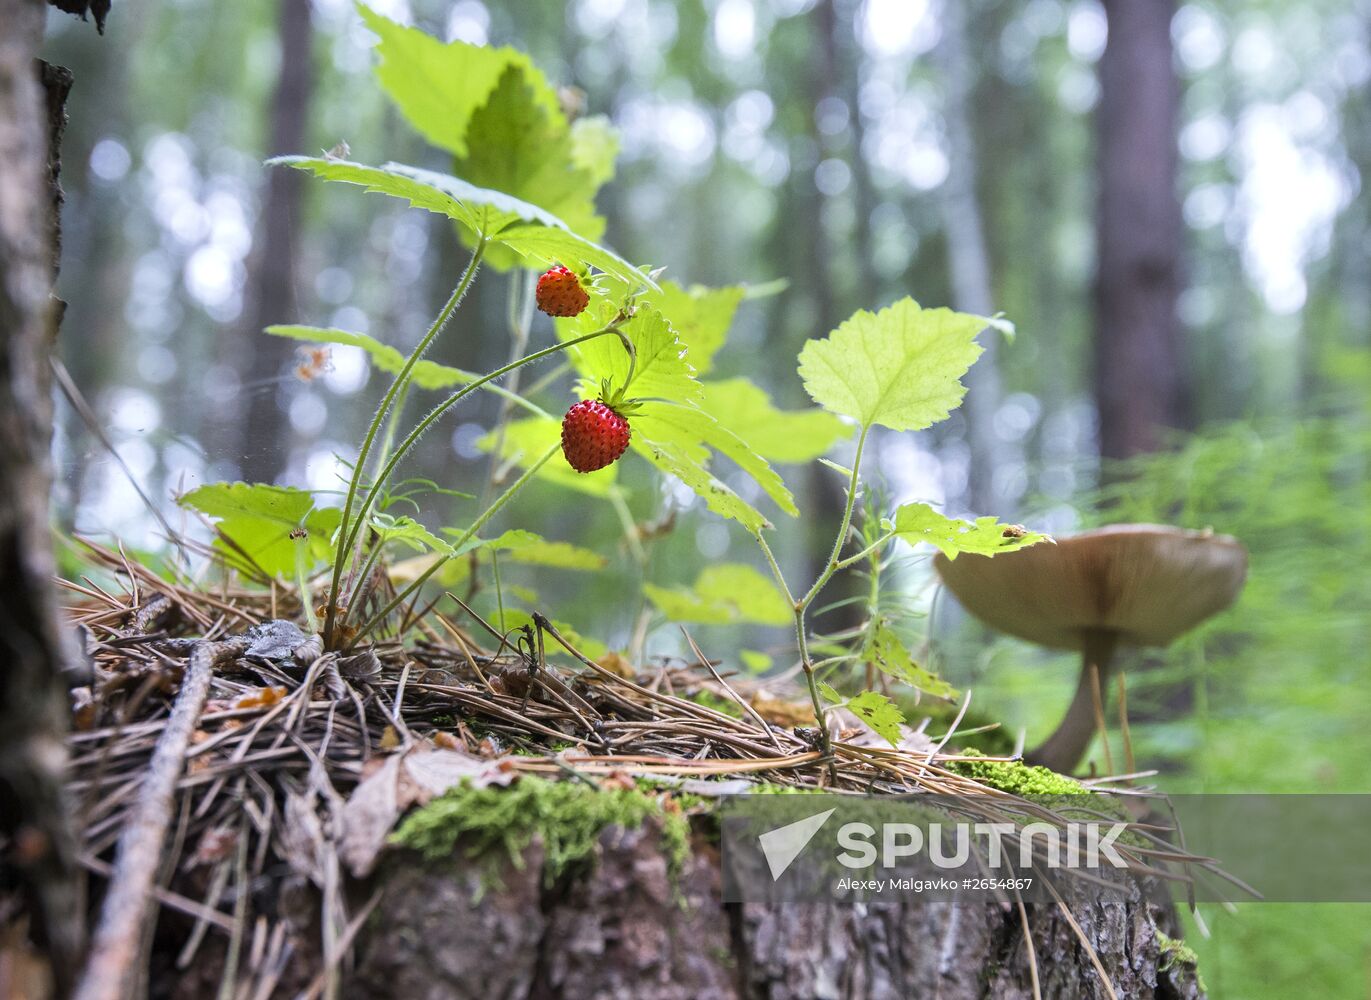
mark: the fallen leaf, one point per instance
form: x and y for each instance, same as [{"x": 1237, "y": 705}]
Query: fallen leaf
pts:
[
  {"x": 368, "y": 817},
  {"x": 779, "y": 712},
  {"x": 261, "y": 698}
]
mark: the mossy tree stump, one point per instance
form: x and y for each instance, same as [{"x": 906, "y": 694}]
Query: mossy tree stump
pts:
[{"x": 626, "y": 927}]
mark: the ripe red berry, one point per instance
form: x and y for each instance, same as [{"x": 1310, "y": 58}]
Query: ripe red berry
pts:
[
  {"x": 560, "y": 292},
  {"x": 593, "y": 436}
]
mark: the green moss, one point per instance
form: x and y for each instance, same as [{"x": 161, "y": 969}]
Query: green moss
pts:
[
  {"x": 1176, "y": 952},
  {"x": 1016, "y": 777},
  {"x": 720, "y": 704},
  {"x": 567, "y": 816}
]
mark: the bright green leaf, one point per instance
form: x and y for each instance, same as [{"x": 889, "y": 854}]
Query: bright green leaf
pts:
[
  {"x": 438, "y": 86},
  {"x": 788, "y": 436},
  {"x": 918, "y": 522},
  {"x": 515, "y": 145},
  {"x": 723, "y": 594},
  {"x": 694, "y": 432},
  {"x": 754, "y": 661},
  {"x": 535, "y": 550},
  {"x": 661, "y": 371},
  {"x": 887, "y": 653},
  {"x": 594, "y": 147},
  {"x": 880, "y": 713},
  {"x": 527, "y": 229},
  {"x": 900, "y": 367},
  {"x": 259, "y": 519},
  {"x": 671, "y": 458},
  {"x": 829, "y": 693},
  {"x": 591, "y": 648},
  {"x": 409, "y": 532}
]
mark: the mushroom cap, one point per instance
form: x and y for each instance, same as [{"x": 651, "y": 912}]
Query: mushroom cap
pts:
[{"x": 1147, "y": 583}]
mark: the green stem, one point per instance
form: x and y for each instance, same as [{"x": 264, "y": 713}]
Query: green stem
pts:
[
  {"x": 467, "y": 535},
  {"x": 832, "y": 566},
  {"x": 302, "y": 582},
  {"x": 853, "y": 560},
  {"x": 401, "y": 380},
  {"x": 456, "y": 397}
]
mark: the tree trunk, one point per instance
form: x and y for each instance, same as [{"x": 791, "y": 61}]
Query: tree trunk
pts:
[
  {"x": 1139, "y": 373},
  {"x": 627, "y": 930},
  {"x": 969, "y": 262},
  {"x": 33, "y": 714},
  {"x": 264, "y": 445}
]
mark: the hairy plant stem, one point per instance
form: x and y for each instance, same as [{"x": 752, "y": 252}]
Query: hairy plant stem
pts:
[
  {"x": 466, "y": 536},
  {"x": 802, "y": 604},
  {"x": 401, "y": 381},
  {"x": 613, "y": 329}
]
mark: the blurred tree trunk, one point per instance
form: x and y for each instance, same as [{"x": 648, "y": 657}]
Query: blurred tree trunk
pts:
[
  {"x": 969, "y": 260},
  {"x": 1139, "y": 367},
  {"x": 265, "y": 430},
  {"x": 39, "y": 855},
  {"x": 828, "y": 491}
]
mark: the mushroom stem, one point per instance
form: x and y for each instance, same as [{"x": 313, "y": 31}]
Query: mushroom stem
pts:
[{"x": 1063, "y": 750}]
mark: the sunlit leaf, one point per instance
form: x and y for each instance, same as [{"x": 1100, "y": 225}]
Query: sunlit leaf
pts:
[
  {"x": 918, "y": 522},
  {"x": 535, "y": 550},
  {"x": 438, "y": 86},
  {"x": 900, "y": 367},
  {"x": 755, "y": 662},
  {"x": 594, "y": 147},
  {"x": 787, "y": 436},
  {"x": 661, "y": 371},
  {"x": 880, "y": 713},
  {"x": 260, "y": 519},
  {"x": 409, "y": 532},
  {"x": 671, "y": 458},
  {"x": 887, "y": 653},
  {"x": 532, "y": 231},
  {"x": 723, "y": 594}
]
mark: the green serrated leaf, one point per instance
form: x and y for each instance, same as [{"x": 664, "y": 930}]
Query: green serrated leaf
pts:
[
  {"x": 829, "y": 693},
  {"x": 753, "y": 661},
  {"x": 723, "y": 594},
  {"x": 695, "y": 432},
  {"x": 535, "y": 550},
  {"x": 528, "y": 229},
  {"x": 787, "y": 436},
  {"x": 900, "y": 367},
  {"x": 880, "y": 713},
  {"x": 515, "y": 145},
  {"x": 427, "y": 374},
  {"x": 671, "y": 458},
  {"x": 918, "y": 522},
  {"x": 595, "y": 147},
  {"x": 661, "y": 371},
  {"x": 408, "y": 532},
  {"x": 888, "y": 654},
  {"x": 438, "y": 86},
  {"x": 259, "y": 519}
]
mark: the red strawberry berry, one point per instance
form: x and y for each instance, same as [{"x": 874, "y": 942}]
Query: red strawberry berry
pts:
[
  {"x": 593, "y": 435},
  {"x": 560, "y": 292}
]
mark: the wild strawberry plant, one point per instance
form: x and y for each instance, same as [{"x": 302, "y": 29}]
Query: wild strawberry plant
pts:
[{"x": 521, "y": 194}]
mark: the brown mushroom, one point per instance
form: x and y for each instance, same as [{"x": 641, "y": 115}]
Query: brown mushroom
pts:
[{"x": 1134, "y": 584}]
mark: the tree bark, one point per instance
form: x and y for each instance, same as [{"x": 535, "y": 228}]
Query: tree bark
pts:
[
  {"x": 969, "y": 262},
  {"x": 264, "y": 446},
  {"x": 1139, "y": 369},
  {"x": 626, "y": 930},
  {"x": 33, "y": 714}
]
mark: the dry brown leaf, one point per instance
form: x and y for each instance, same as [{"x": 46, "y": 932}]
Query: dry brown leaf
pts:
[
  {"x": 779, "y": 712},
  {"x": 368, "y": 817},
  {"x": 390, "y": 739},
  {"x": 261, "y": 698},
  {"x": 617, "y": 664}
]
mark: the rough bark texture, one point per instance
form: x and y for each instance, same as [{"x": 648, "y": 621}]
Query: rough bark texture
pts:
[
  {"x": 265, "y": 442},
  {"x": 623, "y": 931},
  {"x": 32, "y": 694},
  {"x": 1139, "y": 377}
]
